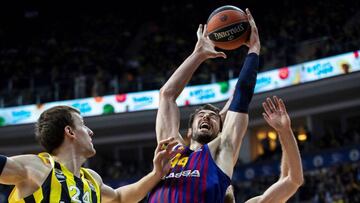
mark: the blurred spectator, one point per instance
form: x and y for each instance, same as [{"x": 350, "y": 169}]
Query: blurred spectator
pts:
[{"x": 80, "y": 54}]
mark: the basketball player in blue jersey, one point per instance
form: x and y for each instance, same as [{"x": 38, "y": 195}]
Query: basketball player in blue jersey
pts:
[
  {"x": 57, "y": 176},
  {"x": 202, "y": 172}
]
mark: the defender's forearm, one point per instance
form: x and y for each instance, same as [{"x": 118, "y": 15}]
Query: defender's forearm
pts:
[{"x": 293, "y": 155}]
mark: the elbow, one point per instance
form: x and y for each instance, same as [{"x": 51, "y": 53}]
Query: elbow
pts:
[
  {"x": 168, "y": 93},
  {"x": 298, "y": 180}
]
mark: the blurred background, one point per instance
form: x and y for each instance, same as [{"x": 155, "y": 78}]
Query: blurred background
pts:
[{"x": 57, "y": 50}]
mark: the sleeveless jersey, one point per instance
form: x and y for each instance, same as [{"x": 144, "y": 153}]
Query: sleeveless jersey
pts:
[
  {"x": 61, "y": 186},
  {"x": 194, "y": 177}
]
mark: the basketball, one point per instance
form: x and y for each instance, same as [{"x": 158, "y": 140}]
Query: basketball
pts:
[{"x": 228, "y": 27}]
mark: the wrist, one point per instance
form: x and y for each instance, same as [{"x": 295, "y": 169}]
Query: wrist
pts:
[
  {"x": 155, "y": 174},
  {"x": 254, "y": 50},
  {"x": 284, "y": 130},
  {"x": 200, "y": 55}
]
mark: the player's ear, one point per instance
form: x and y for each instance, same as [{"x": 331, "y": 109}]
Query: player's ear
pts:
[
  {"x": 189, "y": 133},
  {"x": 68, "y": 131}
]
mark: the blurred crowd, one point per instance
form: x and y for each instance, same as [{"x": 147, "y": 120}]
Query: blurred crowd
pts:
[
  {"x": 338, "y": 184},
  {"x": 50, "y": 54},
  {"x": 330, "y": 138}
]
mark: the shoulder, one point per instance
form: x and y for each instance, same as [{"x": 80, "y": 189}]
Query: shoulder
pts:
[
  {"x": 95, "y": 175},
  {"x": 214, "y": 145},
  {"x": 32, "y": 161}
]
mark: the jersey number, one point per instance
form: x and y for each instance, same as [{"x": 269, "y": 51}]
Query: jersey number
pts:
[
  {"x": 75, "y": 197},
  {"x": 177, "y": 161}
]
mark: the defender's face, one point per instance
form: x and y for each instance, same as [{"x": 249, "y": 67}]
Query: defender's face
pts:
[
  {"x": 83, "y": 136},
  {"x": 206, "y": 126}
]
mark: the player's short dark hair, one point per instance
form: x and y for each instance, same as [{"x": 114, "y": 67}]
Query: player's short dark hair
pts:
[
  {"x": 49, "y": 128},
  {"x": 205, "y": 107}
]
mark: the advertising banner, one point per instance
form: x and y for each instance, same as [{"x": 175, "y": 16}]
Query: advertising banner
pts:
[{"x": 192, "y": 95}]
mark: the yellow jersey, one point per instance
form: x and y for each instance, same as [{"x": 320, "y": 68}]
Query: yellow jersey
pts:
[{"x": 61, "y": 186}]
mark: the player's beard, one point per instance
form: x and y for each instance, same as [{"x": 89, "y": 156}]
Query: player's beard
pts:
[{"x": 203, "y": 138}]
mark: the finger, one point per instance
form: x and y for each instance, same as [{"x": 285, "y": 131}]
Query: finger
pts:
[
  {"x": 162, "y": 157},
  {"x": 157, "y": 149},
  {"x": 282, "y": 105},
  {"x": 205, "y": 33},
  {"x": 171, "y": 145},
  {"x": 163, "y": 144},
  {"x": 158, "y": 156},
  {"x": 266, "y": 108},
  {"x": 166, "y": 141},
  {"x": 221, "y": 54},
  {"x": 271, "y": 104},
  {"x": 276, "y": 102},
  {"x": 266, "y": 117},
  {"x": 251, "y": 19},
  {"x": 199, "y": 31},
  {"x": 249, "y": 16}
]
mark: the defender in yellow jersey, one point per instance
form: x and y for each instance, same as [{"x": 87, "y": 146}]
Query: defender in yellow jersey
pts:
[{"x": 57, "y": 176}]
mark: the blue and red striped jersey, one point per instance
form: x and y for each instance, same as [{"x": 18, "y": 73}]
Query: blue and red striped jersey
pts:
[{"x": 193, "y": 177}]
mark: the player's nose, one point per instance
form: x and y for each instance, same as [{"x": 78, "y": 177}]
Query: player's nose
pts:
[{"x": 206, "y": 116}]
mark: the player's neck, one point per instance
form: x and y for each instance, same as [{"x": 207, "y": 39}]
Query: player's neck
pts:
[
  {"x": 68, "y": 157},
  {"x": 195, "y": 145}
]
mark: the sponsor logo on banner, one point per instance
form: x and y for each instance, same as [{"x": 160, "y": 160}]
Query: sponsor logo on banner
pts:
[
  {"x": 344, "y": 66},
  {"x": 357, "y": 61},
  {"x": 83, "y": 107},
  {"x": 142, "y": 101},
  {"x": 320, "y": 69},
  {"x": 120, "y": 98},
  {"x": 2, "y": 121},
  {"x": 203, "y": 94},
  {"x": 262, "y": 83},
  {"x": 20, "y": 115},
  {"x": 284, "y": 73}
]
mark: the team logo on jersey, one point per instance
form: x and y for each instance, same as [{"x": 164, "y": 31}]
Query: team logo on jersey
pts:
[
  {"x": 187, "y": 173},
  {"x": 59, "y": 175}
]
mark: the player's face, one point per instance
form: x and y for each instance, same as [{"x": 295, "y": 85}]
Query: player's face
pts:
[
  {"x": 83, "y": 136},
  {"x": 206, "y": 126}
]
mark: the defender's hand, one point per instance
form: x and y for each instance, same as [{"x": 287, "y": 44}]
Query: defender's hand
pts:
[
  {"x": 163, "y": 155},
  {"x": 275, "y": 114}
]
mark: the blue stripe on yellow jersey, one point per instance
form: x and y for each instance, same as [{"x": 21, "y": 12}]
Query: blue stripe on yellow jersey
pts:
[{"x": 61, "y": 186}]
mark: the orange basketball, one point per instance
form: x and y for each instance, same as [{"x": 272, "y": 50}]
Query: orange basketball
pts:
[{"x": 228, "y": 27}]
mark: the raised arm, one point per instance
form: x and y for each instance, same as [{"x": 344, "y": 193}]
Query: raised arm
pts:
[
  {"x": 138, "y": 190},
  {"x": 236, "y": 120},
  {"x": 167, "y": 120},
  {"x": 291, "y": 177}
]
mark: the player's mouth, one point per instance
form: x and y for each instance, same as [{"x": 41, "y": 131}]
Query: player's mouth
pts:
[{"x": 205, "y": 126}]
